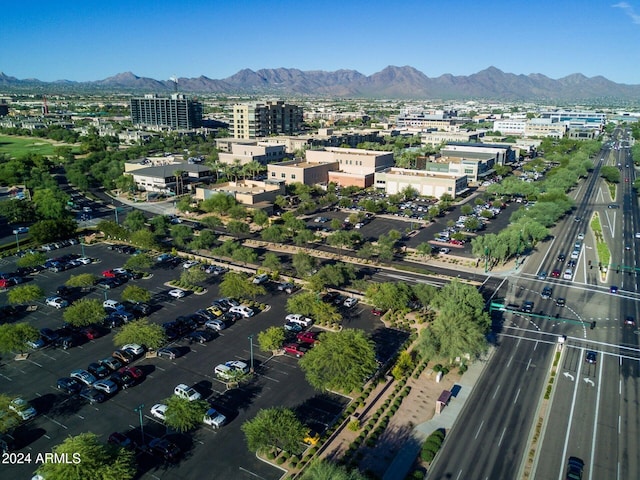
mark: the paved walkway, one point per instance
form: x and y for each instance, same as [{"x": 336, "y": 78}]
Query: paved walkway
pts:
[{"x": 404, "y": 459}]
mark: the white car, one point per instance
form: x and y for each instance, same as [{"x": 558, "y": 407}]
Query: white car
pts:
[
  {"x": 133, "y": 348},
  {"x": 83, "y": 376},
  {"x": 176, "y": 293},
  {"x": 120, "y": 271},
  {"x": 111, "y": 304},
  {"x": 260, "y": 279},
  {"x": 298, "y": 319},
  {"x": 159, "y": 410},
  {"x": 228, "y": 370},
  {"x": 186, "y": 392},
  {"x": 214, "y": 418},
  {"x": 56, "y": 302},
  {"x": 637, "y": 234},
  {"x": 84, "y": 260},
  {"x": 243, "y": 310},
  {"x": 22, "y": 408},
  {"x": 20, "y": 230},
  {"x": 350, "y": 302},
  {"x": 190, "y": 263},
  {"x": 581, "y": 236}
]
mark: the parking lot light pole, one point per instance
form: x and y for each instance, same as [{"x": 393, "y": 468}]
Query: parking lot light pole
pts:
[
  {"x": 139, "y": 410},
  {"x": 17, "y": 243},
  {"x": 251, "y": 351}
]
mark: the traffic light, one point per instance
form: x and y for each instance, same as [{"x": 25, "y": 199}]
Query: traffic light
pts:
[{"x": 593, "y": 325}]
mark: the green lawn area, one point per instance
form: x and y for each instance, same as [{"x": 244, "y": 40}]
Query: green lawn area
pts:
[{"x": 19, "y": 146}]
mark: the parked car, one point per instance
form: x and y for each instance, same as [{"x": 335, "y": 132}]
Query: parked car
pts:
[
  {"x": 260, "y": 279},
  {"x": 214, "y": 418},
  {"x": 124, "y": 356},
  {"x": 287, "y": 287},
  {"x": 297, "y": 349},
  {"x": 120, "y": 440},
  {"x": 308, "y": 337},
  {"x": 169, "y": 352},
  {"x": 69, "y": 385},
  {"x": 215, "y": 324},
  {"x": 243, "y": 310},
  {"x": 293, "y": 327},
  {"x": 111, "y": 305},
  {"x": 92, "y": 395},
  {"x": 133, "y": 349},
  {"x": 134, "y": 372},
  {"x": 176, "y": 293},
  {"x": 299, "y": 319},
  {"x": 91, "y": 333},
  {"x": 350, "y": 302},
  {"x": 159, "y": 410},
  {"x": 22, "y": 408},
  {"x": 107, "y": 386},
  {"x": 83, "y": 376},
  {"x": 111, "y": 363},
  {"x": 186, "y": 392},
  {"x": 97, "y": 370},
  {"x": 165, "y": 449},
  {"x": 56, "y": 302},
  {"x": 378, "y": 312},
  {"x": 189, "y": 263},
  {"x": 200, "y": 336},
  {"x": 49, "y": 335},
  {"x": 123, "y": 380}
]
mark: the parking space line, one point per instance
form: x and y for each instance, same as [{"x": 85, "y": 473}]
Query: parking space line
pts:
[
  {"x": 56, "y": 422},
  {"x": 35, "y": 363},
  {"x": 4, "y": 376}
]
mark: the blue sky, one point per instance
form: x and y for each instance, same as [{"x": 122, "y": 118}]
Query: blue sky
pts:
[{"x": 91, "y": 40}]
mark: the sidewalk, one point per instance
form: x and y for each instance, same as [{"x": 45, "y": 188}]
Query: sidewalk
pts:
[{"x": 404, "y": 459}]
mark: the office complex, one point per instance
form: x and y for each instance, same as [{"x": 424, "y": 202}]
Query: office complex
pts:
[
  {"x": 175, "y": 112},
  {"x": 263, "y": 119}
]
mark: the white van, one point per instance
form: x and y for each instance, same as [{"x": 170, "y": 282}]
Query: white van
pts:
[{"x": 228, "y": 370}]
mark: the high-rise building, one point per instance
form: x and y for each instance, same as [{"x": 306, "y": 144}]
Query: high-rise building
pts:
[
  {"x": 255, "y": 120},
  {"x": 175, "y": 112}
]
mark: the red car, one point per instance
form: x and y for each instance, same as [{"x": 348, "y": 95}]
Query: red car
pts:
[
  {"x": 134, "y": 372},
  {"x": 308, "y": 337},
  {"x": 555, "y": 274},
  {"x": 90, "y": 333},
  {"x": 454, "y": 241},
  {"x": 296, "y": 349},
  {"x": 109, "y": 274},
  {"x": 378, "y": 312}
]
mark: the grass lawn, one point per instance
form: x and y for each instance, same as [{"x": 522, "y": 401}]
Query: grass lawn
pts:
[{"x": 17, "y": 147}]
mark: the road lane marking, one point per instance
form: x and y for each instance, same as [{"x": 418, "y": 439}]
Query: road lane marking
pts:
[
  {"x": 595, "y": 422},
  {"x": 535, "y": 346},
  {"x": 573, "y": 406},
  {"x": 528, "y": 365},
  {"x": 479, "y": 428},
  {"x": 515, "y": 400},
  {"x": 510, "y": 358},
  {"x": 496, "y": 392},
  {"x": 502, "y": 436}
]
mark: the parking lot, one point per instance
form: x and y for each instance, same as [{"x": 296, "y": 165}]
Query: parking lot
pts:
[{"x": 278, "y": 380}]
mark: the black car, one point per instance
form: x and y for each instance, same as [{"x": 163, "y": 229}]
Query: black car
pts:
[
  {"x": 69, "y": 385},
  {"x": 49, "y": 335},
  {"x": 98, "y": 370},
  {"x": 121, "y": 440},
  {"x": 201, "y": 336},
  {"x": 137, "y": 308},
  {"x": 69, "y": 341},
  {"x": 591, "y": 357},
  {"x": 562, "y": 257},
  {"x": 574, "y": 468},
  {"x": 123, "y": 380},
  {"x": 230, "y": 317},
  {"x": 330, "y": 297},
  {"x": 92, "y": 395},
  {"x": 108, "y": 283},
  {"x": 527, "y": 307},
  {"x": 546, "y": 292},
  {"x": 561, "y": 302},
  {"x": 164, "y": 449},
  {"x": 113, "y": 321}
]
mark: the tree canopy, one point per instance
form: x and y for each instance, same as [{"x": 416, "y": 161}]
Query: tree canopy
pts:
[
  {"x": 184, "y": 415},
  {"x": 274, "y": 429},
  {"x": 340, "y": 361},
  {"x": 141, "y": 332},
  {"x": 84, "y": 312}
]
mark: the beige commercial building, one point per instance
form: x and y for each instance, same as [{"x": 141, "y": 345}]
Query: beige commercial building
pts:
[
  {"x": 260, "y": 152},
  {"x": 428, "y": 184},
  {"x": 438, "y": 138},
  {"x": 254, "y": 120},
  {"x": 300, "y": 171},
  {"x": 250, "y": 193}
]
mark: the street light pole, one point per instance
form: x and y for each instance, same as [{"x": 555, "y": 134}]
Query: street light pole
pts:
[
  {"x": 17, "y": 243},
  {"x": 486, "y": 259},
  {"x": 251, "y": 350},
  {"x": 139, "y": 410}
]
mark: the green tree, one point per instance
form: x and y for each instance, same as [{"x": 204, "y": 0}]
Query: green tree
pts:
[
  {"x": 309, "y": 305},
  {"x": 271, "y": 339},
  {"x": 135, "y": 221},
  {"x": 610, "y": 174},
  {"x": 31, "y": 260},
  {"x": 404, "y": 366},
  {"x": 184, "y": 415},
  {"x": 332, "y": 275},
  {"x": 272, "y": 262},
  {"x": 388, "y": 296},
  {"x": 141, "y": 332},
  {"x": 424, "y": 293},
  {"x": 145, "y": 239},
  {"x": 181, "y": 234},
  {"x": 50, "y": 230},
  {"x": 14, "y": 336},
  {"x": 204, "y": 241},
  {"x": 325, "y": 470},
  {"x": 24, "y": 294},
  {"x": 89, "y": 459},
  {"x": 245, "y": 255},
  {"x": 134, "y": 293},
  {"x": 260, "y": 217},
  {"x": 140, "y": 262},
  {"x": 273, "y": 430},
  {"x": 460, "y": 325},
  {"x": 8, "y": 422},
  {"x": 193, "y": 276},
  {"x": 340, "y": 361},
  {"x": 83, "y": 280},
  {"x": 50, "y": 203},
  {"x": 160, "y": 225},
  {"x": 238, "y": 285},
  {"x": 237, "y": 227},
  {"x": 304, "y": 264},
  {"x": 84, "y": 312},
  {"x": 112, "y": 229},
  {"x": 466, "y": 209},
  {"x": 274, "y": 233}
]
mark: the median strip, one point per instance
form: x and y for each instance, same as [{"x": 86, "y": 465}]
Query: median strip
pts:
[{"x": 602, "y": 249}]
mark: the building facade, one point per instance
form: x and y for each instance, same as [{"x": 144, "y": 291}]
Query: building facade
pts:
[
  {"x": 259, "y": 152},
  {"x": 175, "y": 112},
  {"x": 299, "y": 171},
  {"x": 255, "y": 120},
  {"x": 428, "y": 184}
]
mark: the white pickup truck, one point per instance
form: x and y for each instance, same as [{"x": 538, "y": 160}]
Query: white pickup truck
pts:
[{"x": 214, "y": 418}]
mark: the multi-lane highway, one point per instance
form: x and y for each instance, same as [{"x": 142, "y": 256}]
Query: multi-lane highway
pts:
[{"x": 593, "y": 412}]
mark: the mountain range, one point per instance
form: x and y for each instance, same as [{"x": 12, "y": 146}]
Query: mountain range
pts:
[{"x": 392, "y": 82}]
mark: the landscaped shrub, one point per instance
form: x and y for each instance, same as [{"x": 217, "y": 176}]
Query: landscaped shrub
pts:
[
  {"x": 354, "y": 425},
  {"x": 437, "y": 368},
  {"x": 271, "y": 455},
  {"x": 280, "y": 460}
]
